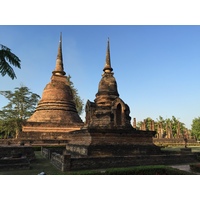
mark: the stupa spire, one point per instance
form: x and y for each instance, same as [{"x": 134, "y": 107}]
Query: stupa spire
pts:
[
  {"x": 59, "y": 69},
  {"x": 108, "y": 68}
]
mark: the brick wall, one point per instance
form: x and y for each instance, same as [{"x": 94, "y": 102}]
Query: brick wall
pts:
[
  {"x": 66, "y": 162},
  {"x": 109, "y": 162},
  {"x": 14, "y": 163},
  {"x": 61, "y": 162},
  {"x": 174, "y": 142},
  {"x": 17, "y": 152}
]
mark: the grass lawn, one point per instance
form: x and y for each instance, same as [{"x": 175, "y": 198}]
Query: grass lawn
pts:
[{"x": 177, "y": 148}]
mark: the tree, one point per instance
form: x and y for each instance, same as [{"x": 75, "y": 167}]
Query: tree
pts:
[
  {"x": 7, "y": 58},
  {"x": 78, "y": 101},
  {"x": 21, "y": 105},
  {"x": 147, "y": 125},
  {"x": 168, "y": 123},
  {"x": 196, "y": 128}
]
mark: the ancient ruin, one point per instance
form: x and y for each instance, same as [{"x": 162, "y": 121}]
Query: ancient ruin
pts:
[
  {"x": 106, "y": 139},
  {"x": 56, "y": 113},
  {"x": 164, "y": 135},
  {"x": 108, "y": 110},
  {"x": 108, "y": 130}
]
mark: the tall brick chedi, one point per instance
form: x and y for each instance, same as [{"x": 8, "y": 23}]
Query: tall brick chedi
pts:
[
  {"x": 56, "y": 112},
  {"x": 107, "y": 110},
  {"x": 107, "y": 131}
]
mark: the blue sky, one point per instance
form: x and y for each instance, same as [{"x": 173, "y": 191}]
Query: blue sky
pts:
[{"x": 156, "y": 67}]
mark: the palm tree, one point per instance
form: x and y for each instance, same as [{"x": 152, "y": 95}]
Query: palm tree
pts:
[{"x": 7, "y": 58}]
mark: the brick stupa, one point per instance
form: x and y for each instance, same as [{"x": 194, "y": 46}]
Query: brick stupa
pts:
[
  {"x": 108, "y": 131},
  {"x": 108, "y": 110},
  {"x": 56, "y": 112}
]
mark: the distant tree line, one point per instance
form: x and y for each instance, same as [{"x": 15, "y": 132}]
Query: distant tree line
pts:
[
  {"x": 174, "y": 123},
  {"x": 196, "y": 127}
]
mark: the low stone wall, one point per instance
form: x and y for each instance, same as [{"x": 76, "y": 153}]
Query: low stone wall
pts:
[
  {"x": 109, "y": 162},
  {"x": 4, "y": 142},
  {"x": 17, "y": 152},
  {"x": 65, "y": 162},
  {"x": 111, "y": 150},
  {"x": 47, "y": 151},
  {"x": 14, "y": 163},
  {"x": 56, "y": 156},
  {"x": 31, "y": 142},
  {"x": 57, "y": 161},
  {"x": 61, "y": 162},
  {"x": 174, "y": 142},
  {"x": 16, "y": 157}
]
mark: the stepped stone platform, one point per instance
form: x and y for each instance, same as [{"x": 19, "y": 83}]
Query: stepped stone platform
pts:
[
  {"x": 17, "y": 152},
  {"x": 16, "y": 157},
  {"x": 107, "y": 138},
  {"x": 67, "y": 162},
  {"x": 14, "y": 163}
]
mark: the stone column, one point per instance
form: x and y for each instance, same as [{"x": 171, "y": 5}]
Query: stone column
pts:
[
  {"x": 170, "y": 130},
  {"x": 134, "y": 122},
  {"x": 152, "y": 125},
  {"x": 185, "y": 137},
  {"x": 178, "y": 131},
  {"x": 161, "y": 130},
  {"x": 144, "y": 125},
  {"x": 158, "y": 130},
  {"x": 166, "y": 128},
  {"x": 66, "y": 162}
]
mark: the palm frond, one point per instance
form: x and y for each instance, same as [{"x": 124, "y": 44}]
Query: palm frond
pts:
[
  {"x": 7, "y": 58},
  {"x": 5, "y": 68}
]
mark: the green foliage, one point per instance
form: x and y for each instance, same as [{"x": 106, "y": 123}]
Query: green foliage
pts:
[
  {"x": 21, "y": 106},
  {"x": 167, "y": 123},
  {"x": 196, "y": 127},
  {"x": 7, "y": 58},
  {"x": 78, "y": 101}
]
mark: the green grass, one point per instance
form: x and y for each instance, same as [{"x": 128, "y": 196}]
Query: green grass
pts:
[
  {"x": 42, "y": 164},
  {"x": 178, "y": 148}
]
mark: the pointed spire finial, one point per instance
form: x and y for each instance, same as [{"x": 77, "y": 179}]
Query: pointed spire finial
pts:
[
  {"x": 108, "y": 68},
  {"x": 59, "y": 69}
]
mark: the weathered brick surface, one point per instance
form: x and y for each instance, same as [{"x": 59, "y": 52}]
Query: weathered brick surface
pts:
[
  {"x": 61, "y": 162},
  {"x": 98, "y": 142},
  {"x": 14, "y": 163},
  {"x": 174, "y": 142},
  {"x": 65, "y": 162},
  {"x": 109, "y": 162},
  {"x": 17, "y": 151},
  {"x": 56, "y": 111}
]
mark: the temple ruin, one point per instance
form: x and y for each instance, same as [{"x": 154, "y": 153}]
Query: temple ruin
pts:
[
  {"x": 56, "y": 113},
  {"x": 106, "y": 138},
  {"x": 108, "y": 130}
]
